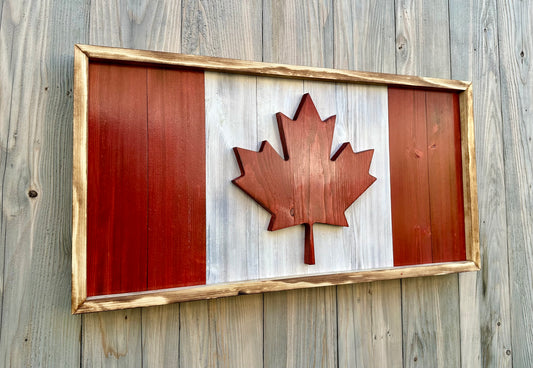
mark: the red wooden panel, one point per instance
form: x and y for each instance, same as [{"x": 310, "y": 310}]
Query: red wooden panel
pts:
[
  {"x": 307, "y": 186},
  {"x": 410, "y": 209},
  {"x": 176, "y": 131},
  {"x": 117, "y": 183},
  {"x": 445, "y": 177}
]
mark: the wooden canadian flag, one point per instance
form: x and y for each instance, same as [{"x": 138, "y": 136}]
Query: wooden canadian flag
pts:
[{"x": 162, "y": 211}]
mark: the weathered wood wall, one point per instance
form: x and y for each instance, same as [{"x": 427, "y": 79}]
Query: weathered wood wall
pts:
[{"x": 482, "y": 319}]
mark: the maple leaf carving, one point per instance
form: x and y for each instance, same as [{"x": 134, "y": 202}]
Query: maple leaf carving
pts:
[{"x": 306, "y": 186}]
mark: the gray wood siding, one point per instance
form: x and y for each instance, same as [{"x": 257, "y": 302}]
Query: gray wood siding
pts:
[{"x": 482, "y": 319}]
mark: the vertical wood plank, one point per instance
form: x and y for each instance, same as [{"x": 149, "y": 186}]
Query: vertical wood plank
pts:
[
  {"x": 176, "y": 178},
  {"x": 160, "y": 336},
  {"x": 409, "y": 177},
  {"x": 445, "y": 177},
  {"x": 36, "y": 38},
  {"x": 302, "y": 341},
  {"x": 112, "y": 339},
  {"x": 221, "y": 333},
  {"x": 422, "y": 45},
  {"x": 232, "y": 251},
  {"x": 373, "y": 214},
  {"x": 484, "y": 296},
  {"x": 516, "y": 76},
  {"x": 230, "y": 29},
  {"x": 430, "y": 337},
  {"x": 224, "y": 29},
  {"x": 364, "y": 35},
  {"x": 364, "y": 40},
  {"x": 143, "y": 24},
  {"x": 298, "y": 33},
  {"x": 117, "y": 180},
  {"x": 370, "y": 331}
]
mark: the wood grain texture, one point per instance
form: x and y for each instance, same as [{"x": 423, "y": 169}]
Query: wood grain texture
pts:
[
  {"x": 426, "y": 176},
  {"x": 369, "y": 330},
  {"x": 363, "y": 120},
  {"x": 79, "y": 179},
  {"x": 364, "y": 35},
  {"x": 222, "y": 333},
  {"x": 445, "y": 177},
  {"x": 432, "y": 340},
  {"x": 35, "y": 154},
  {"x": 112, "y": 339},
  {"x": 422, "y": 43},
  {"x": 224, "y": 30},
  {"x": 141, "y": 24},
  {"x": 176, "y": 254},
  {"x": 410, "y": 190},
  {"x": 484, "y": 296},
  {"x": 117, "y": 193},
  {"x": 470, "y": 198},
  {"x": 230, "y": 115},
  {"x": 298, "y": 336},
  {"x": 160, "y": 336},
  {"x": 516, "y": 76}
]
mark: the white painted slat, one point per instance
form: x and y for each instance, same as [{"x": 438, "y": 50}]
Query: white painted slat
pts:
[
  {"x": 231, "y": 217},
  {"x": 364, "y": 121}
]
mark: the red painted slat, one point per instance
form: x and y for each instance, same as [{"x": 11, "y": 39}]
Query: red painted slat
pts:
[
  {"x": 445, "y": 176},
  {"x": 176, "y": 131},
  {"x": 117, "y": 183},
  {"x": 409, "y": 177}
]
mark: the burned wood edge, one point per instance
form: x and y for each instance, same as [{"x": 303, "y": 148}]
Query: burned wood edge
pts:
[{"x": 161, "y": 297}]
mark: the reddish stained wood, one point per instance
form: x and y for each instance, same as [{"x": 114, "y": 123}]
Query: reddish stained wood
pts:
[
  {"x": 411, "y": 223},
  {"x": 426, "y": 177},
  {"x": 176, "y": 131},
  {"x": 445, "y": 177},
  {"x": 117, "y": 183},
  {"x": 307, "y": 186}
]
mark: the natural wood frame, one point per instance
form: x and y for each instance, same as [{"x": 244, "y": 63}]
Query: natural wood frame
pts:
[{"x": 84, "y": 53}]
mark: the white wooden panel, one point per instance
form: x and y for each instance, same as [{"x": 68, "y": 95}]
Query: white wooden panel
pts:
[
  {"x": 365, "y": 123},
  {"x": 239, "y": 246},
  {"x": 231, "y": 216}
]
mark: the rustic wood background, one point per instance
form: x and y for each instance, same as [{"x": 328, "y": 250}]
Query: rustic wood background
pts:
[{"x": 479, "y": 319}]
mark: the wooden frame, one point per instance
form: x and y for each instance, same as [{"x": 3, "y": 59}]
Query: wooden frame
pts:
[{"x": 84, "y": 53}]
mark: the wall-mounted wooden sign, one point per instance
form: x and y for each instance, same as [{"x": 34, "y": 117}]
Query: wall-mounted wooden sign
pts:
[{"x": 159, "y": 137}]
